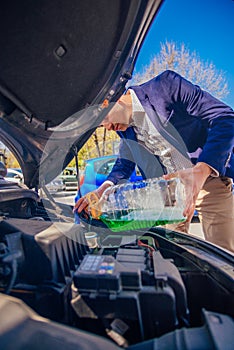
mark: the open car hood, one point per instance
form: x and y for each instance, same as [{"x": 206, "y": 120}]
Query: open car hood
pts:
[{"x": 59, "y": 60}]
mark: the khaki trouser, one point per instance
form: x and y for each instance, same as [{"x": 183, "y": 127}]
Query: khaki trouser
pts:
[{"x": 215, "y": 206}]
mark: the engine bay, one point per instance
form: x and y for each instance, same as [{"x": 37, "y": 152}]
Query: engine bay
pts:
[{"x": 130, "y": 288}]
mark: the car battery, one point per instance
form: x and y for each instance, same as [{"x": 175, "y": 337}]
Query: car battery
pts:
[{"x": 143, "y": 290}]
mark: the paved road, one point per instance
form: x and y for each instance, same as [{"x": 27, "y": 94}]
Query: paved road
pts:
[{"x": 196, "y": 229}]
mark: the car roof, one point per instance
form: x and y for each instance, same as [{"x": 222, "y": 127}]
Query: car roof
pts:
[{"x": 101, "y": 157}]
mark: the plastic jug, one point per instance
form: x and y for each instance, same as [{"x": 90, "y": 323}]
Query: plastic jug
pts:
[{"x": 142, "y": 204}]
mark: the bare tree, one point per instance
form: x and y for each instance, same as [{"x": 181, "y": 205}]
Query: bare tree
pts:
[
  {"x": 189, "y": 65},
  {"x": 96, "y": 142},
  {"x": 174, "y": 57},
  {"x": 99, "y": 144}
]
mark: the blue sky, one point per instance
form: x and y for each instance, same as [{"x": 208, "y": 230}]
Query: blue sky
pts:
[{"x": 204, "y": 26}]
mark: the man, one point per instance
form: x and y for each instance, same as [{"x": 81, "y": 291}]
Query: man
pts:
[{"x": 172, "y": 128}]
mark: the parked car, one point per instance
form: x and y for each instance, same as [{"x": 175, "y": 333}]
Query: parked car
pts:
[
  {"x": 69, "y": 179},
  {"x": 135, "y": 289},
  {"x": 14, "y": 175},
  {"x": 96, "y": 171},
  {"x": 56, "y": 185}
]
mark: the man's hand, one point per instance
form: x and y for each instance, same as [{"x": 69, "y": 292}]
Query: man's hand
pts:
[
  {"x": 84, "y": 202},
  {"x": 193, "y": 180}
]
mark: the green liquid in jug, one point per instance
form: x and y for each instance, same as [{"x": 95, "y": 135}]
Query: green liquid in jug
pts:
[{"x": 117, "y": 222}]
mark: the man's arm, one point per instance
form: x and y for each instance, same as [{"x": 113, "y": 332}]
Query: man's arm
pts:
[
  {"x": 121, "y": 170},
  {"x": 124, "y": 165},
  {"x": 216, "y": 116},
  {"x": 193, "y": 180}
]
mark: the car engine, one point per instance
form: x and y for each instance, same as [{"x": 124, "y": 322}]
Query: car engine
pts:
[{"x": 130, "y": 287}]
